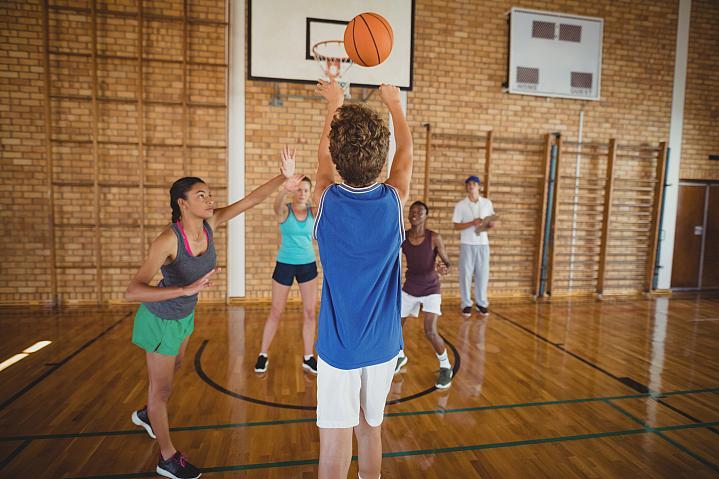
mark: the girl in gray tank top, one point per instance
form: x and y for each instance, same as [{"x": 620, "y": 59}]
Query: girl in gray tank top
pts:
[{"x": 185, "y": 254}]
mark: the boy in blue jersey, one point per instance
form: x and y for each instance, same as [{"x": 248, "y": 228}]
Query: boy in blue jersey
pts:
[{"x": 359, "y": 231}]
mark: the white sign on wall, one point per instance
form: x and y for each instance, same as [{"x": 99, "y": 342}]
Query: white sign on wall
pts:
[{"x": 553, "y": 54}]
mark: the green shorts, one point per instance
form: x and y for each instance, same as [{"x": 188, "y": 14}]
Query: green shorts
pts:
[{"x": 157, "y": 335}]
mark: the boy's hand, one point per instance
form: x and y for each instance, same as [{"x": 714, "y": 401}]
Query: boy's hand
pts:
[
  {"x": 332, "y": 92},
  {"x": 389, "y": 94},
  {"x": 288, "y": 162},
  {"x": 441, "y": 268}
]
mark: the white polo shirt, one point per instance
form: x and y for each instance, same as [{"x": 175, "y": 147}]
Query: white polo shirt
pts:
[{"x": 466, "y": 211}]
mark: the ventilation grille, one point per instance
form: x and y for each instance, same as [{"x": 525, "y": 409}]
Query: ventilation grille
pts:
[
  {"x": 570, "y": 33},
  {"x": 543, "y": 30},
  {"x": 528, "y": 75},
  {"x": 581, "y": 80}
]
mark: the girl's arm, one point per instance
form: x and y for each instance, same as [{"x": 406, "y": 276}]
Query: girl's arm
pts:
[
  {"x": 161, "y": 249},
  {"x": 222, "y": 215}
]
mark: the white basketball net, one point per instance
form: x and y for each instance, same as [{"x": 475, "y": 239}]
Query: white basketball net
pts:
[{"x": 333, "y": 61}]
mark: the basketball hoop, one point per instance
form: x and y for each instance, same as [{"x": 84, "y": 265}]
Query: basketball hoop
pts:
[{"x": 332, "y": 59}]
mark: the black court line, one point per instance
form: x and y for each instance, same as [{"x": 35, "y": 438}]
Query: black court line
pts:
[
  {"x": 201, "y": 373},
  {"x": 561, "y": 347},
  {"x": 627, "y": 381},
  {"x": 657, "y": 431},
  {"x": 418, "y": 452},
  {"x": 278, "y": 422},
  {"x": 455, "y": 371},
  {"x": 686, "y": 415},
  {"x": 58, "y": 365},
  {"x": 14, "y": 453},
  {"x": 606, "y": 399},
  {"x": 683, "y": 413}
]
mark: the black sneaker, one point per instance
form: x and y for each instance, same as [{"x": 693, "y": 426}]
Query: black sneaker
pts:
[
  {"x": 177, "y": 467},
  {"x": 140, "y": 418},
  {"x": 444, "y": 380},
  {"x": 261, "y": 364},
  {"x": 482, "y": 310},
  {"x": 401, "y": 361},
  {"x": 467, "y": 312},
  {"x": 309, "y": 365}
]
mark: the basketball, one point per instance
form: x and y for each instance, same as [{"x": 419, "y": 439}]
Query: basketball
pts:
[{"x": 368, "y": 39}]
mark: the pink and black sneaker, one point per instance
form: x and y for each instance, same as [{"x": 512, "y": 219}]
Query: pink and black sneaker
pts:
[{"x": 177, "y": 467}]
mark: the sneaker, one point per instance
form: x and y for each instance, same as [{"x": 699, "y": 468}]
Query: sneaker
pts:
[
  {"x": 444, "y": 380},
  {"x": 140, "y": 418},
  {"x": 467, "y": 312},
  {"x": 401, "y": 361},
  {"x": 177, "y": 467},
  {"x": 261, "y": 364},
  {"x": 482, "y": 310},
  {"x": 308, "y": 365}
]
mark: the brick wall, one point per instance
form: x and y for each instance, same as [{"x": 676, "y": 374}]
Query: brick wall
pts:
[
  {"x": 127, "y": 117},
  {"x": 701, "y": 108},
  {"x": 463, "y": 96},
  {"x": 460, "y": 64},
  {"x": 24, "y": 207}
]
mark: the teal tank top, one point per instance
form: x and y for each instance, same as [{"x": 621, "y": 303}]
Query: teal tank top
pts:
[{"x": 296, "y": 246}]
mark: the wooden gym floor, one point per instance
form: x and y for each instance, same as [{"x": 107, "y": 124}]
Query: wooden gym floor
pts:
[{"x": 619, "y": 388}]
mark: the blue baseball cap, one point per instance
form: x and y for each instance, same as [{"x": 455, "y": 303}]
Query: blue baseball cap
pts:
[{"x": 473, "y": 178}]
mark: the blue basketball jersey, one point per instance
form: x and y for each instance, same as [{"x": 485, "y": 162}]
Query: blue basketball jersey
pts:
[{"x": 359, "y": 232}]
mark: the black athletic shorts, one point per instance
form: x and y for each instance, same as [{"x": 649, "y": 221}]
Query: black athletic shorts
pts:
[{"x": 286, "y": 273}]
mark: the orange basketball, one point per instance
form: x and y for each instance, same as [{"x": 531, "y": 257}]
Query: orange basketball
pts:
[{"x": 368, "y": 39}]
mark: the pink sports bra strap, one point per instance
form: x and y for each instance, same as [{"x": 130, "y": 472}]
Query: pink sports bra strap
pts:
[{"x": 185, "y": 240}]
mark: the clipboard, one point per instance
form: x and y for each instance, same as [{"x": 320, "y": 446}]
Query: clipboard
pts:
[{"x": 487, "y": 219}]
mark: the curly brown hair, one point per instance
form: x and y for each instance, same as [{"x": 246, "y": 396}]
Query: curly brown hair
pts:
[{"x": 359, "y": 141}]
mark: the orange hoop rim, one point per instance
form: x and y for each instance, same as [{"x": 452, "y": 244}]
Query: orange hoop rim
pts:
[
  {"x": 320, "y": 57},
  {"x": 334, "y": 66}
]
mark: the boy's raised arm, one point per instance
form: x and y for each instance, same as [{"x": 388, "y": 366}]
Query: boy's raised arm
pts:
[
  {"x": 401, "y": 173},
  {"x": 333, "y": 94}
]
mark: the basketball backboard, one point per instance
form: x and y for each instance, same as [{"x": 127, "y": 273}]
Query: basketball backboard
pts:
[{"x": 282, "y": 33}]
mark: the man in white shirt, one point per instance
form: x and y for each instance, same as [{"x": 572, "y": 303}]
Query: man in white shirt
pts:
[{"x": 474, "y": 246}]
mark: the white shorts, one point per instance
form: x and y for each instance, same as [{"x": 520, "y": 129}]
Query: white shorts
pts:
[
  {"x": 342, "y": 392},
  {"x": 430, "y": 304}
]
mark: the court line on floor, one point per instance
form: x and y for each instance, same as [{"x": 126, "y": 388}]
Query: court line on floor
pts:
[
  {"x": 658, "y": 432},
  {"x": 418, "y": 452},
  {"x": 312, "y": 419},
  {"x": 627, "y": 381},
  {"x": 58, "y": 365},
  {"x": 14, "y": 453},
  {"x": 561, "y": 348},
  {"x": 199, "y": 370}
]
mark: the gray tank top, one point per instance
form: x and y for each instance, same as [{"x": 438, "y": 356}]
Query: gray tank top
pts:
[{"x": 185, "y": 270}]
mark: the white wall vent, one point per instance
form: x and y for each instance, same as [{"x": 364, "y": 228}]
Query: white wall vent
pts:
[{"x": 554, "y": 54}]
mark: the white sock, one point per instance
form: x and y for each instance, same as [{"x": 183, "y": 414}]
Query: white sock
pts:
[
  {"x": 307, "y": 357},
  {"x": 360, "y": 477},
  {"x": 401, "y": 353},
  {"x": 444, "y": 360},
  {"x": 263, "y": 354}
]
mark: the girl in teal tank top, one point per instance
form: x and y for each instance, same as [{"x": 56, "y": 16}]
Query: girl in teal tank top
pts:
[{"x": 295, "y": 259}]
